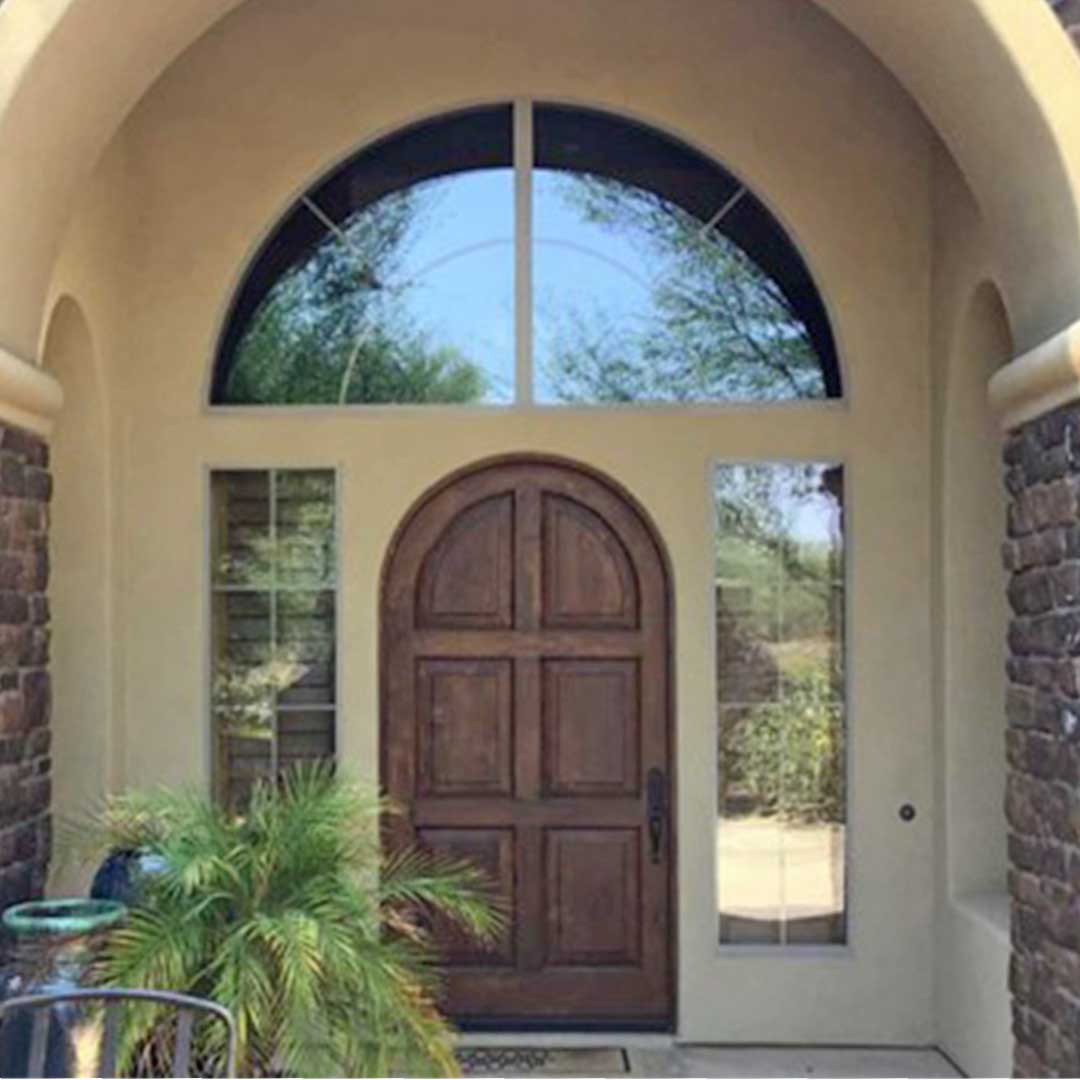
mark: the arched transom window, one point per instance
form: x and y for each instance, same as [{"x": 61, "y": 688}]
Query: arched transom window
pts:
[{"x": 526, "y": 253}]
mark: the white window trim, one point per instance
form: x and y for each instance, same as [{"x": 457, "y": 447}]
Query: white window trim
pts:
[
  {"x": 845, "y": 950},
  {"x": 210, "y": 588},
  {"x": 523, "y": 252}
]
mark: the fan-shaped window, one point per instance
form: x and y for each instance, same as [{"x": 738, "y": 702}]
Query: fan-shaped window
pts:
[{"x": 526, "y": 253}]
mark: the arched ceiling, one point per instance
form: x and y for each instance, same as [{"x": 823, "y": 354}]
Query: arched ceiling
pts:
[
  {"x": 999, "y": 81},
  {"x": 996, "y": 78},
  {"x": 70, "y": 71}
]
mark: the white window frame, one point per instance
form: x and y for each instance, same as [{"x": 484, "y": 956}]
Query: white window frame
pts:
[
  {"x": 784, "y": 950},
  {"x": 213, "y": 588}
]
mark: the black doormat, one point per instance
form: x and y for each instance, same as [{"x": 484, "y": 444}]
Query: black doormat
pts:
[{"x": 513, "y": 1061}]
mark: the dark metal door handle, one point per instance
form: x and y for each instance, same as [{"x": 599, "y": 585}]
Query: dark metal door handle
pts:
[{"x": 656, "y": 810}]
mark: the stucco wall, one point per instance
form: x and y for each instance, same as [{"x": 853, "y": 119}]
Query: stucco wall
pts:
[
  {"x": 80, "y": 562},
  {"x": 85, "y": 338},
  {"x": 780, "y": 94},
  {"x": 970, "y": 339}
]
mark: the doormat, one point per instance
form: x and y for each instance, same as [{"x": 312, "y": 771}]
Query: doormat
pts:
[{"x": 512, "y": 1061}]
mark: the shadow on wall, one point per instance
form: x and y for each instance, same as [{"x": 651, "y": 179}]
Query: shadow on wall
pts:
[
  {"x": 79, "y": 590},
  {"x": 973, "y": 941},
  {"x": 975, "y": 607}
]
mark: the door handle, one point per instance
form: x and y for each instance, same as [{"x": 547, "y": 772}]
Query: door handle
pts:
[{"x": 656, "y": 810}]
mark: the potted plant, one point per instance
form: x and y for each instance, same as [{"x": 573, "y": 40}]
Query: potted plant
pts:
[{"x": 292, "y": 915}]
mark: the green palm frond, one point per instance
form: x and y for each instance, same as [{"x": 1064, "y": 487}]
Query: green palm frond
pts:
[
  {"x": 455, "y": 888},
  {"x": 293, "y": 917}
]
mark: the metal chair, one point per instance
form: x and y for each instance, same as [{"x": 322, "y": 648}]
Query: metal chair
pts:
[{"x": 41, "y": 1008}]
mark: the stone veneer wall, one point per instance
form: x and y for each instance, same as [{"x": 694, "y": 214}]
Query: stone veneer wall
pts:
[
  {"x": 25, "y": 691},
  {"x": 1042, "y": 555}
]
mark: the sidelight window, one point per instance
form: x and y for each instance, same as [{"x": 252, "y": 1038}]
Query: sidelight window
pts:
[
  {"x": 273, "y": 606},
  {"x": 527, "y": 253},
  {"x": 782, "y": 803}
]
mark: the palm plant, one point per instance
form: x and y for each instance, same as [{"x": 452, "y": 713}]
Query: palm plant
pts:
[{"x": 294, "y": 917}]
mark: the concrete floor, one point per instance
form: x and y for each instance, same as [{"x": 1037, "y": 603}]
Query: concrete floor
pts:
[
  {"x": 659, "y": 1056},
  {"x": 768, "y": 1061}
]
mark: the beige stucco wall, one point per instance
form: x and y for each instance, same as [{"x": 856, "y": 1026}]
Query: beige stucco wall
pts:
[
  {"x": 970, "y": 339},
  {"x": 80, "y": 586},
  {"x": 88, "y": 722},
  {"x": 783, "y": 96}
]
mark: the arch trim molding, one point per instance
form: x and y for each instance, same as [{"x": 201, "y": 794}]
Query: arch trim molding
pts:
[
  {"x": 1039, "y": 381},
  {"x": 30, "y": 398}
]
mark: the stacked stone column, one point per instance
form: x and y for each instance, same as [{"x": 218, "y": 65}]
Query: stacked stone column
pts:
[
  {"x": 1042, "y": 556},
  {"x": 25, "y": 692}
]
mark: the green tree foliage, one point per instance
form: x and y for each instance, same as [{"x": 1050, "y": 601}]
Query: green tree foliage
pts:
[
  {"x": 295, "y": 918},
  {"x": 716, "y": 326},
  {"x": 335, "y": 327}
]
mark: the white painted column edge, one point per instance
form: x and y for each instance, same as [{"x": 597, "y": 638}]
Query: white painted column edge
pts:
[
  {"x": 29, "y": 397},
  {"x": 1039, "y": 381}
]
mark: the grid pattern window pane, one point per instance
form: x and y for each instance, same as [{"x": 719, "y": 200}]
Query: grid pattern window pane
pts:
[
  {"x": 274, "y": 610},
  {"x": 779, "y": 596}
]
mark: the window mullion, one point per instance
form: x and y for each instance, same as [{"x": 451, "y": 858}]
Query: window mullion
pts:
[
  {"x": 523, "y": 251},
  {"x": 274, "y": 764}
]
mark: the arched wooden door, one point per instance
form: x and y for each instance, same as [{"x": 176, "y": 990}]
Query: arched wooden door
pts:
[{"x": 526, "y": 724}]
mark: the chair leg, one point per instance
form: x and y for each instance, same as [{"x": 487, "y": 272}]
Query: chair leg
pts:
[
  {"x": 182, "y": 1056},
  {"x": 39, "y": 1042},
  {"x": 107, "y": 1064}
]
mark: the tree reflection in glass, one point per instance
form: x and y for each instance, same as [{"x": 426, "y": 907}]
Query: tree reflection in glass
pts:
[
  {"x": 418, "y": 272},
  {"x": 640, "y": 301},
  {"x": 407, "y": 301},
  {"x": 274, "y": 603},
  {"x": 779, "y": 593}
]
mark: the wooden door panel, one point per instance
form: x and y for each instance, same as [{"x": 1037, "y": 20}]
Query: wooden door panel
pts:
[
  {"x": 565, "y": 812},
  {"x": 529, "y": 644},
  {"x": 492, "y": 850},
  {"x": 593, "y": 886},
  {"x": 591, "y": 740},
  {"x": 589, "y": 581},
  {"x": 464, "y": 727},
  {"x": 525, "y": 637},
  {"x": 467, "y": 577}
]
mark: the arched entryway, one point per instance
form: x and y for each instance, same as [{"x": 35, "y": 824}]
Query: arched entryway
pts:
[
  {"x": 527, "y": 724},
  {"x": 134, "y": 207}
]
